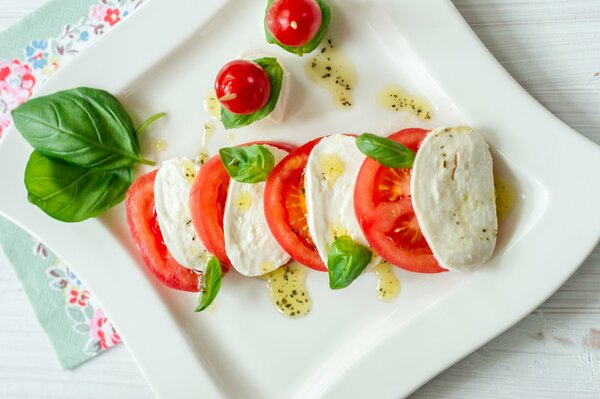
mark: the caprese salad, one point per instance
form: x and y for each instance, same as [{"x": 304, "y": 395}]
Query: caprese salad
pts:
[{"x": 420, "y": 200}]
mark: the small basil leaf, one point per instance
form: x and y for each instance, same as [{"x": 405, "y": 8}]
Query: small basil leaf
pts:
[
  {"x": 275, "y": 74},
  {"x": 385, "y": 151},
  {"x": 84, "y": 127},
  {"x": 314, "y": 42},
  {"x": 248, "y": 164},
  {"x": 211, "y": 284},
  {"x": 346, "y": 260},
  {"x": 70, "y": 193}
]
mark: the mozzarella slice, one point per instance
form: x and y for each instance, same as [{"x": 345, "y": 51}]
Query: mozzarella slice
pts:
[
  {"x": 329, "y": 181},
  {"x": 249, "y": 244},
  {"x": 171, "y": 201},
  {"x": 452, "y": 187}
]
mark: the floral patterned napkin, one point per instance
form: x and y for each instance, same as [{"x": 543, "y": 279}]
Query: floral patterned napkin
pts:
[{"x": 30, "y": 52}]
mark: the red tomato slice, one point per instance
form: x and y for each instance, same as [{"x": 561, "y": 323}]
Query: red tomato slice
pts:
[
  {"x": 148, "y": 239},
  {"x": 285, "y": 207},
  {"x": 382, "y": 203},
  {"x": 208, "y": 195}
]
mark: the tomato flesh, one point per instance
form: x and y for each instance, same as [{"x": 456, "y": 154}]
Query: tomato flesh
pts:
[
  {"x": 294, "y": 23},
  {"x": 383, "y": 207},
  {"x": 285, "y": 207},
  {"x": 148, "y": 239},
  {"x": 242, "y": 87},
  {"x": 208, "y": 196}
]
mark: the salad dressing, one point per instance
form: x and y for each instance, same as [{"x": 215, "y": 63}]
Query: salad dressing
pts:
[
  {"x": 395, "y": 98},
  {"x": 243, "y": 202},
  {"x": 208, "y": 129},
  {"x": 189, "y": 171},
  {"x": 287, "y": 286},
  {"x": 212, "y": 106},
  {"x": 160, "y": 145},
  {"x": 331, "y": 168},
  {"x": 333, "y": 70},
  {"x": 506, "y": 198},
  {"x": 388, "y": 286}
]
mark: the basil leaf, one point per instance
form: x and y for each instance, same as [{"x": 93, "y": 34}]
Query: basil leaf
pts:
[
  {"x": 315, "y": 41},
  {"x": 84, "y": 127},
  {"x": 385, "y": 151},
  {"x": 248, "y": 164},
  {"x": 346, "y": 260},
  {"x": 71, "y": 193},
  {"x": 211, "y": 284},
  {"x": 275, "y": 74}
]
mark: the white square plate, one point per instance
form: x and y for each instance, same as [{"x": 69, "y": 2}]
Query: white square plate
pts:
[{"x": 164, "y": 58}]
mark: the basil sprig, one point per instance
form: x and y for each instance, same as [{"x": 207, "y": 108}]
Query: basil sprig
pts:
[
  {"x": 275, "y": 74},
  {"x": 346, "y": 260},
  {"x": 84, "y": 127},
  {"x": 248, "y": 164},
  {"x": 385, "y": 151},
  {"x": 314, "y": 42},
  {"x": 85, "y": 147},
  {"x": 211, "y": 284},
  {"x": 71, "y": 193}
]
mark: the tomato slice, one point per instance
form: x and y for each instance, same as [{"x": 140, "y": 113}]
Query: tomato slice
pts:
[
  {"x": 208, "y": 196},
  {"x": 148, "y": 239},
  {"x": 285, "y": 207},
  {"x": 382, "y": 203}
]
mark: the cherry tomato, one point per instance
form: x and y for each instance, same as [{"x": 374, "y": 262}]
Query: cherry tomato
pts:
[
  {"x": 285, "y": 207},
  {"x": 208, "y": 196},
  {"x": 294, "y": 23},
  {"x": 242, "y": 87},
  {"x": 383, "y": 207},
  {"x": 148, "y": 239}
]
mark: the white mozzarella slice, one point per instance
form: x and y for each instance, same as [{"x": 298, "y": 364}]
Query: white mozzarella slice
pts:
[
  {"x": 171, "y": 201},
  {"x": 329, "y": 181},
  {"x": 249, "y": 244},
  {"x": 452, "y": 187}
]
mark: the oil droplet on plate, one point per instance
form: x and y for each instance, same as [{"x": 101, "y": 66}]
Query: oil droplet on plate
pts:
[
  {"x": 189, "y": 170},
  {"x": 331, "y": 168},
  {"x": 388, "y": 286},
  {"x": 287, "y": 287},
  {"x": 212, "y": 106},
  {"x": 243, "y": 202},
  {"x": 160, "y": 145},
  {"x": 208, "y": 130},
  {"x": 395, "y": 98},
  {"x": 332, "y": 69},
  {"x": 506, "y": 198}
]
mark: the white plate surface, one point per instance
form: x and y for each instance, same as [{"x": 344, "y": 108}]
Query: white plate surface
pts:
[{"x": 351, "y": 345}]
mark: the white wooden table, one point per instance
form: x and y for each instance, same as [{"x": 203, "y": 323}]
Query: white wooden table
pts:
[{"x": 552, "y": 47}]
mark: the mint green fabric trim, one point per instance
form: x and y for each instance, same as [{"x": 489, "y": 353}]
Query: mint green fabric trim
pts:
[
  {"x": 48, "y": 304},
  {"x": 48, "y": 21}
]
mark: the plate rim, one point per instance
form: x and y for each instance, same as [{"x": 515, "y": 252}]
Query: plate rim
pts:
[{"x": 204, "y": 379}]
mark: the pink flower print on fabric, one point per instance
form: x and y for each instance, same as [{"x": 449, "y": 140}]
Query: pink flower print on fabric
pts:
[
  {"x": 103, "y": 331},
  {"x": 16, "y": 83}
]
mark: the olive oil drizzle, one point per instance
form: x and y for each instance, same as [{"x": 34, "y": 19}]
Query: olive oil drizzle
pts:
[
  {"x": 287, "y": 287},
  {"x": 395, "y": 98},
  {"x": 388, "y": 286},
  {"x": 506, "y": 198},
  {"x": 334, "y": 71}
]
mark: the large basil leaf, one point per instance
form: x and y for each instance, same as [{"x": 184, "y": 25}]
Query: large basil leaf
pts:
[
  {"x": 248, "y": 164},
  {"x": 84, "y": 127},
  {"x": 71, "y": 193},
  {"x": 346, "y": 260},
  {"x": 314, "y": 43},
  {"x": 275, "y": 74},
  {"x": 385, "y": 151},
  {"x": 211, "y": 284}
]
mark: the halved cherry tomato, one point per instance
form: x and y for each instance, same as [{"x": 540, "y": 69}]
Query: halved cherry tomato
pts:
[
  {"x": 242, "y": 87},
  {"x": 208, "y": 196},
  {"x": 294, "y": 23},
  {"x": 382, "y": 203},
  {"x": 148, "y": 239},
  {"x": 285, "y": 207}
]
